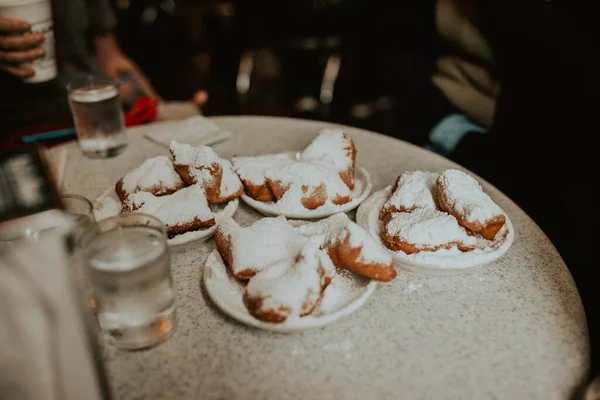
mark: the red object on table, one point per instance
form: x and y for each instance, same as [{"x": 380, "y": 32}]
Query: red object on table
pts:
[{"x": 144, "y": 110}]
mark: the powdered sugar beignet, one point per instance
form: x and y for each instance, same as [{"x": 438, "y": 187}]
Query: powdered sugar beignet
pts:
[
  {"x": 248, "y": 250},
  {"x": 356, "y": 250},
  {"x": 183, "y": 211},
  {"x": 424, "y": 229},
  {"x": 462, "y": 196},
  {"x": 413, "y": 189},
  {"x": 251, "y": 171},
  {"x": 335, "y": 147},
  {"x": 351, "y": 247},
  {"x": 307, "y": 185},
  {"x": 291, "y": 288},
  {"x": 156, "y": 175},
  {"x": 202, "y": 165}
]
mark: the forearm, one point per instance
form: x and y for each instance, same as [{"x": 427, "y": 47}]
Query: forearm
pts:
[{"x": 106, "y": 45}]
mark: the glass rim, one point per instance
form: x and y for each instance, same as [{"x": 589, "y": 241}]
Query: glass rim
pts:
[
  {"x": 90, "y": 80},
  {"x": 79, "y": 197},
  {"x": 112, "y": 223}
]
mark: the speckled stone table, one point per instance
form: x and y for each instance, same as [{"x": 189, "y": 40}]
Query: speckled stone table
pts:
[{"x": 514, "y": 329}]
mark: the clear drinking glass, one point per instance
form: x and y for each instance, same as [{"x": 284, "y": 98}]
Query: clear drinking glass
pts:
[
  {"x": 81, "y": 210},
  {"x": 98, "y": 115},
  {"x": 129, "y": 264}
]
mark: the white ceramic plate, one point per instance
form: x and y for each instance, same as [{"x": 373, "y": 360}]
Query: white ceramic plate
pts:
[
  {"x": 108, "y": 205},
  {"x": 441, "y": 262},
  {"x": 345, "y": 294},
  {"x": 362, "y": 189}
]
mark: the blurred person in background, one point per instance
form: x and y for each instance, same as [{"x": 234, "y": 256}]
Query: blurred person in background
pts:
[
  {"x": 85, "y": 44},
  {"x": 524, "y": 82}
]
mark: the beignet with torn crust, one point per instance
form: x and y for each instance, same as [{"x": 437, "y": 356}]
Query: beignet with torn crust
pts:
[
  {"x": 413, "y": 189},
  {"x": 156, "y": 175},
  {"x": 183, "y": 211},
  {"x": 251, "y": 171},
  {"x": 461, "y": 195},
  {"x": 307, "y": 184},
  {"x": 202, "y": 165},
  {"x": 351, "y": 247},
  {"x": 425, "y": 229},
  {"x": 335, "y": 147},
  {"x": 249, "y": 250},
  {"x": 356, "y": 250},
  {"x": 290, "y": 288}
]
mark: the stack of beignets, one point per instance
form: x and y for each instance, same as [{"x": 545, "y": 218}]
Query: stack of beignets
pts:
[
  {"x": 159, "y": 187},
  {"x": 288, "y": 268},
  {"x": 322, "y": 175},
  {"x": 429, "y": 212}
]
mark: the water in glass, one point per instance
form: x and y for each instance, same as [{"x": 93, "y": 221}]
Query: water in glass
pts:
[
  {"x": 130, "y": 270},
  {"x": 98, "y": 117}
]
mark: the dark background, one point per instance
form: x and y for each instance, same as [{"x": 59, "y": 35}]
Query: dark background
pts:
[{"x": 269, "y": 57}]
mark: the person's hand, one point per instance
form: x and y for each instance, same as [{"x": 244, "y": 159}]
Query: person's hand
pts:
[
  {"x": 200, "y": 98},
  {"x": 113, "y": 62},
  {"x": 18, "y": 45}
]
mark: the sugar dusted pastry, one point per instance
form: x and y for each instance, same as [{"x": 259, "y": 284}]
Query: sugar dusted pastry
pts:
[
  {"x": 413, "y": 189},
  {"x": 251, "y": 171},
  {"x": 183, "y": 211},
  {"x": 325, "y": 230},
  {"x": 462, "y": 196},
  {"x": 356, "y": 250},
  {"x": 351, "y": 247},
  {"x": 307, "y": 185},
  {"x": 291, "y": 288},
  {"x": 335, "y": 147},
  {"x": 156, "y": 175},
  {"x": 248, "y": 250},
  {"x": 202, "y": 165},
  {"x": 425, "y": 229}
]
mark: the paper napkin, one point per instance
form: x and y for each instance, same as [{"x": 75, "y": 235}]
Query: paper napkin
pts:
[{"x": 195, "y": 131}]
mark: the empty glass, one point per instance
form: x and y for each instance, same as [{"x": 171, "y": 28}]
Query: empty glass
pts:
[
  {"x": 129, "y": 263},
  {"x": 98, "y": 115}
]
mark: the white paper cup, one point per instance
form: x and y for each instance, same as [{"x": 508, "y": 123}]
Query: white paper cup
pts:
[{"x": 39, "y": 14}]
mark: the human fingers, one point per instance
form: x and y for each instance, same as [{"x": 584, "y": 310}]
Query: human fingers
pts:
[
  {"x": 18, "y": 57},
  {"x": 19, "y": 71},
  {"x": 21, "y": 42},
  {"x": 8, "y": 25},
  {"x": 200, "y": 98}
]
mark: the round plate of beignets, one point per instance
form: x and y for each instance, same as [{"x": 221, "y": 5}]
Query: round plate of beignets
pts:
[
  {"x": 316, "y": 182},
  {"x": 437, "y": 224},
  {"x": 278, "y": 275},
  {"x": 157, "y": 187},
  {"x": 299, "y": 189},
  {"x": 108, "y": 205}
]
